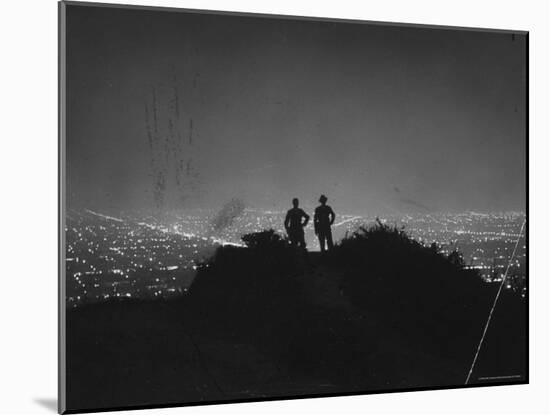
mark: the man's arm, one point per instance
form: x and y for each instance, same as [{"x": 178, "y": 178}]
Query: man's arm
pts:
[
  {"x": 315, "y": 221},
  {"x": 287, "y": 220},
  {"x": 332, "y": 216},
  {"x": 306, "y": 217}
]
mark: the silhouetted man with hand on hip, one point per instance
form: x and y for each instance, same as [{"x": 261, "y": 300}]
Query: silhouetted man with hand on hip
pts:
[
  {"x": 295, "y": 222},
  {"x": 322, "y": 221}
]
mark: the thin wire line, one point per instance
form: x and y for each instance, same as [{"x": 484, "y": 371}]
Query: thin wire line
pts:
[{"x": 494, "y": 304}]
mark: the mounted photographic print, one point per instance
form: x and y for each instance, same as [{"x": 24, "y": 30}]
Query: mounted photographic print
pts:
[{"x": 258, "y": 207}]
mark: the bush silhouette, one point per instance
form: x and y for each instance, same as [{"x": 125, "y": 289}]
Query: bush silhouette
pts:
[
  {"x": 267, "y": 239},
  {"x": 238, "y": 278},
  {"x": 427, "y": 295}
]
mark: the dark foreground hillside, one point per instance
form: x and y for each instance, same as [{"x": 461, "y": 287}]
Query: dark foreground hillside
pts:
[{"x": 381, "y": 312}]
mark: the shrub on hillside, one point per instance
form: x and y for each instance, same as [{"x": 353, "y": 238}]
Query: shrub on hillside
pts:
[
  {"x": 268, "y": 239},
  {"x": 262, "y": 274},
  {"x": 417, "y": 288},
  {"x": 390, "y": 249}
]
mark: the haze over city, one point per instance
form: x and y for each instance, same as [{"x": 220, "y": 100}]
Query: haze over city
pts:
[{"x": 197, "y": 109}]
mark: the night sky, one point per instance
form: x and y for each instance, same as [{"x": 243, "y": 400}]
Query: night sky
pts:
[{"x": 171, "y": 110}]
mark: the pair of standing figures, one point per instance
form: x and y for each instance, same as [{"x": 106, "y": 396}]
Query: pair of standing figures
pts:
[{"x": 296, "y": 220}]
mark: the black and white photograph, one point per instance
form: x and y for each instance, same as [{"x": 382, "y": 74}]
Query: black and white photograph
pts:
[{"x": 259, "y": 207}]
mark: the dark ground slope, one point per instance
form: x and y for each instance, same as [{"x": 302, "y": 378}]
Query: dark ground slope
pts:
[{"x": 379, "y": 313}]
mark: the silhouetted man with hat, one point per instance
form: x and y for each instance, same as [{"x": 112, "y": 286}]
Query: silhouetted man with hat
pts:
[
  {"x": 322, "y": 221},
  {"x": 295, "y": 222}
]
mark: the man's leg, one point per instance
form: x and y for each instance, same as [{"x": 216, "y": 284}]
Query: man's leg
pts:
[
  {"x": 329, "y": 239},
  {"x": 302, "y": 240},
  {"x": 292, "y": 238},
  {"x": 321, "y": 236}
]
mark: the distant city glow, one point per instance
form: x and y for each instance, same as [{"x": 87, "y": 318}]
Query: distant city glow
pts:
[{"x": 141, "y": 257}]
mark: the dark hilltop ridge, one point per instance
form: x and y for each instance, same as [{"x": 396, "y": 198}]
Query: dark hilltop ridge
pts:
[{"x": 379, "y": 312}]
